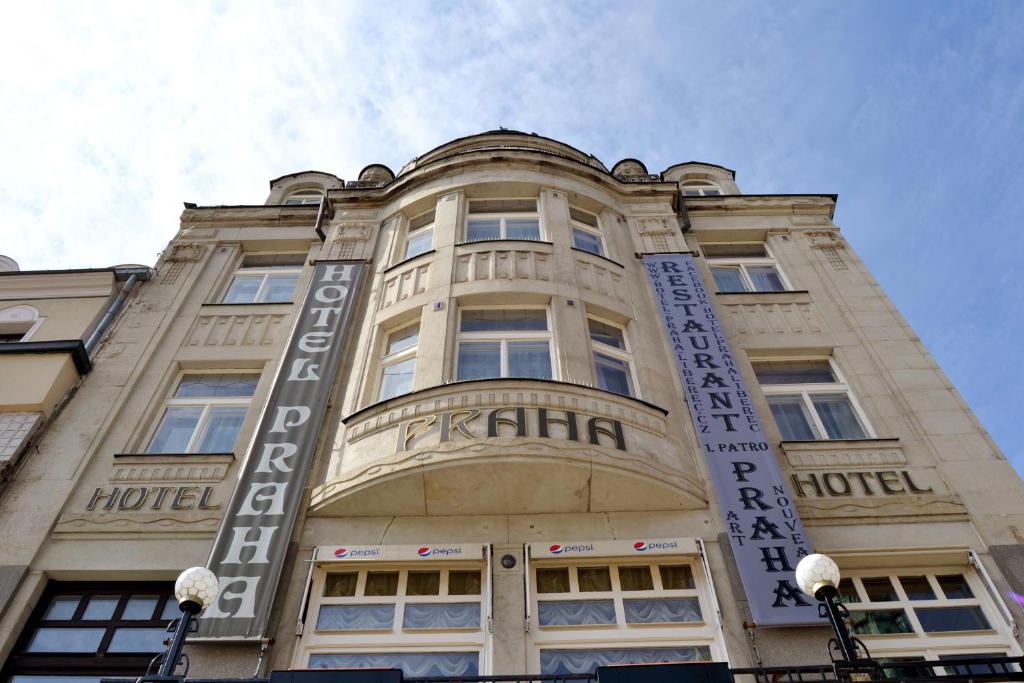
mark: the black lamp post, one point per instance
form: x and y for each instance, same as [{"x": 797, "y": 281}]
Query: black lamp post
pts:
[
  {"x": 818, "y": 576},
  {"x": 195, "y": 590}
]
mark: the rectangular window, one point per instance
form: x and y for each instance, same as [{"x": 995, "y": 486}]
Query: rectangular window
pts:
[
  {"x": 205, "y": 413},
  {"x": 420, "y": 237},
  {"x": 502, "y": 219},
  {"x": 629, "y": 609},
  {"x": 612, "y": 358},
  {"x": 744, "y": 267},
  {"x": 264, "y": 279},
  {"x": 398, "y": 365},
  {"x": 504, "y": 343},
  {"x": 809, "y": 400},
  {"x": 586, "y": 234},
  {"x": 93, "y": 630}
]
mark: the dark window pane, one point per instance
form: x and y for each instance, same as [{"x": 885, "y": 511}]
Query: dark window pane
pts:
[
  {"x": 636, "y": 578},
  {"x": 879, "y": 589},
  {"x": 502, "y": 206},
  {"x": 62, "y": 607},
  {"x": 66, "y": 640},
  {"x": 608, "y": 335},
  {"x": 101, "y": 607},
  {"x": 583, "y": 217},
  {"x": 381, "y": 583},
  {"x": 504, "y": 320},
  {"x": 477, "y": 230},
  {"x": 903, "y": 667},
  {"x": 423, "y": 583},
  {"x": 229, "y": 384},
  {"x": 463, "y": 583},
  {"x": 791, "y": 418},
  {"x": 341, "y": 584},
  {"x": 847, "y": 591},
  {"x": 138, "y": 640},
  {"x": 794, "y": 372},
  {"x": 977, "y": 669},
  {"x": 955, "y": 586},
  {"x": 734, "y": 250},
  {"x": 943, "y": 619},
  {"x": 837, "y": 415},
  {"x": 613, "y": 374},
  {"x": 917, "y": 587},
  {"x": 553, "y": 580},
  {"x": 140, "y": 608},
  {"x": 594, "y": 579},
  {"x": 766, "y": 279},
  {"x": 522, "y": 229},
  {"x": 479, "y": 360},
  {"x": 171, "y": 610},
  {"x": 878, "y": 622},
  {"x": 529, "y": 359},
  {"x": 728, "y": 279},
  {"x": 421, "y": 221},
  {"x": 676, "y": 577}
]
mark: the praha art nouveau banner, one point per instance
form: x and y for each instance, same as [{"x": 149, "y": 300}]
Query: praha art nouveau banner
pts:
[
  {"x": 765, "y": 531},
  {"x": 249, "y": 551}
]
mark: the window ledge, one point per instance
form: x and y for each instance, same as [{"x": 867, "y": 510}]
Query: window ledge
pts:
[
  {"x": 603, "y": 258},
  {"x": 792, "y": 296},
  {"x": 821, "y": 444},
  {"x": 150, "y": 457},
  {"x": 470, "y": 244},
  {"x": 263, "y": 307},
  {"x": 406, "y": 261}
]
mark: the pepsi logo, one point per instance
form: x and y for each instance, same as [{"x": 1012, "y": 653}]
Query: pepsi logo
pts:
[
  {"x": 640, "y": 546},
  {"x": 556, "y": 549},
  {"x": 423, "y": 552},
  {"x": 341, "y": 552}
]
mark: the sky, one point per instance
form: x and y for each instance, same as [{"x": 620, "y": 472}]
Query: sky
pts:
[{"x": 113, "y": 114}]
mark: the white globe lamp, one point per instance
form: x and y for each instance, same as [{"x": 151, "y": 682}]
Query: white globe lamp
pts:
[
  {"x": 196, "y": 589},
  {"x": 816, "y": 573}
]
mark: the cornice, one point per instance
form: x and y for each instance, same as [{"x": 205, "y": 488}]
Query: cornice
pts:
[
  {"x": 255, "y": 216},
  {"x": 57, "y": 285},
  {"x": 762, "y": 205}
]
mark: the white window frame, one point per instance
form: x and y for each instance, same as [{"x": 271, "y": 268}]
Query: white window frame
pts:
[
  {"x": 207, "y": 403},
  {"x": 625, "y": 355},
  {"x": 388, "y": 360},
  {"x": 20, "y": 319},
  {"x": 994, "y": 642},
  {"x": 744, "y": 262},
  {"x": 503, "y": 218},
  {"x": 805, "y": 391},
  {"x": 416, "y": 233},
  {"x": 265, "y": 272},
  {"x": 703, "y": 188},
  {"x": 622, "y": 635},
  {"x": 395, "y": 639},
  {"x": 304, "y": 195},
  {"x": 505, "y": 337},
  {"x": 594, "y": 231}
]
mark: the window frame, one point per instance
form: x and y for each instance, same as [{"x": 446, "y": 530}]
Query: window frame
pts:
[
  {"x": 503, "y": 218},
  {"x": 305, "y": 193},
  {"x": 806, "y": 390},
  {"x": 621, "y": 634},
  {"x": 625, "y": 355},
  {"x": 593, "y": 231},
  {"x": 265, "y": 272},
  {"x": 415, "y": 233},
  {"x": 504, "y": 337},
  {"x": 994, "y": 641},
  {"x": 703, "y": 188},
  {"x": 207, "y": 403},
  {"x": 389, "y": 359},
  {"x": 13, "y": 321},
  {"x": 744, "y": 262},
  {"x": 24, "y": 663},
  {"x": 397, "y": 638}
]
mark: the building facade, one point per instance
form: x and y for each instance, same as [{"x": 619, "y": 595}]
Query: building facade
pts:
[{"x": 508, "y": 412}]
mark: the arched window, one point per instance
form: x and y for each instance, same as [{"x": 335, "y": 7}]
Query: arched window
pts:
[
  {"x": 309, "y": 195},
  {"x": 700, "y": 188},
  {"x": 17, "y": 323}
]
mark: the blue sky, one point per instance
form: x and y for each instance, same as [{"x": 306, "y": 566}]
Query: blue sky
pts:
[{"x": 913, "y": 112}]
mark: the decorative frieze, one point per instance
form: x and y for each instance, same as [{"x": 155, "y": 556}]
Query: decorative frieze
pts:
[
  {"x": 402, "y": 283},
  {"x": 503, "y": 264},
  {"x": 244, "y": 329}
]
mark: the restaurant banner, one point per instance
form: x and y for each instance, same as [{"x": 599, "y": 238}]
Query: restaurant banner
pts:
[
  {"x": 765, "y": 531},
  {"x": 250, "y": 547}
]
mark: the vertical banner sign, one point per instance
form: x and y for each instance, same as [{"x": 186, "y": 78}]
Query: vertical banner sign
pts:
[
  {"x": 249, "y": 551},
  {"x": 766, "y": 534}
]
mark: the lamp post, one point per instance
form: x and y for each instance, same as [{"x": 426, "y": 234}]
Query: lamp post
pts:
[
  {"x": 195, "y": 590},
  {"x": 818, "y": 576}
]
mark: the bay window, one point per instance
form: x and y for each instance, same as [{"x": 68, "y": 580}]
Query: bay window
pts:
[
  {"x": 809, "y": 400},
  {"x": 398, "y": 365},
  {"x": 265, "y": 279},
  {"x": 744, "y": 267},
  {"x": 586, "y": 234},
  {"x": 502, "y": 219},
  {"x": 612, "y": 358},
  {"x": 420, "y": 236},
  {"x": 205, "y": 413},
  {"x": 504, "y": 342}
]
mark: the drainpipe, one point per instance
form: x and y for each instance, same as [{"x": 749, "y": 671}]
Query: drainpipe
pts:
[{"x": 134, "y": 275}]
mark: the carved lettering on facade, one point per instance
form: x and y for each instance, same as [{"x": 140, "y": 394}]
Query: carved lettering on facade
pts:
[
  {"x": 856, "y": 483},
  {"x": 152, "y": 498}
]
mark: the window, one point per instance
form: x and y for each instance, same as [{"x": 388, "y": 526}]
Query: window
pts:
[
  {"x": 17, "y": 323},
  {"x": 629, "y": 611},
  {"x": 205, "y": 413},
  {"x": 425, "y": 620},
  {"x": 928, "y": 613},
  {"x": 700, "y": 188},
  {"x": 307, "y": 196},
  {"x": 809, "y": 400},
  {"x": 84, "y": 631},
  {"x": 265, "y": 279},
  {"x": 612, "y": 365},
  {"x": 743, "y": 267},
  {"x": 502, "y": 219},
  {"x": 399, "y": 362},
  {"x": 504, "y": 342},
  {"x": 420, "y": 237},
  {"x": 586, "y": 235}
]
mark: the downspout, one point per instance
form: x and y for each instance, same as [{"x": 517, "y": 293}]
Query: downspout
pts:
[{"x": 134, "y": 275}]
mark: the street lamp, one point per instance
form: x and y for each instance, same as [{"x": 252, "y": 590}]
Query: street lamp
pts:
[
  {"x": 195, "y": 590},
  {"x": 818, "y": 576}
]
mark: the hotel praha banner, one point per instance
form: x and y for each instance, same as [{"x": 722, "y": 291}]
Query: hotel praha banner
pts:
[
  {"x": 249, "y": 551},
  {"x": 766, "y": 534}
]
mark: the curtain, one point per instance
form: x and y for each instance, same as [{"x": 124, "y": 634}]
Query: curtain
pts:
[
  {"x": 222, "y": 428},
  {"x": 612, "y": 374},
  {"x": 562, "y": 662},
  {"x": 790, "y": 418},
  {"x": 411, "y": 664},
  {"x": 662, "y": 611},
  {"x": 529, "y": 359},
  {"x": 575, "y": 612},
  {"x": 175, "y": 430},
  {"x": 522, "y": 229},
  {"x": 439, "y": 615},
  {"x": 837, "y": 415},
  {"x": 479, "y": 360},
  {"x": 478, "y": 229},
  {"x": 356, "y": 617},
  {"x": 728, "y": 279},
  {"x": 765, "y": 279}
]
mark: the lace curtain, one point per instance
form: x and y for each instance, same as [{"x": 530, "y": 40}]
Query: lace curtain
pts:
[
  {"x": 354, "y": 617},
  {"x": 576, "y": 612},
  {"x": 562, "y": 662},
  {"x": 434, "y": 615},
  {"x": 662, "y": 611},
  {"x": 412, "y": 664}
]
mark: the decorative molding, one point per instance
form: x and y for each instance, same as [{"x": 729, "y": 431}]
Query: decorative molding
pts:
[
  {"x": 185, "y": 252},
  {"x": 143, "y": 469},
  {"x": 402, "y": 283},
  {"x": 241, "y": 329},
  {"x": 773, "y": 318},
  {"x": 504, "y": 264},
  {"x": 838, "y": 453},
  {"x": 892, "y": 509}
]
